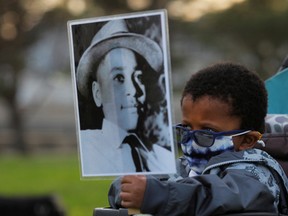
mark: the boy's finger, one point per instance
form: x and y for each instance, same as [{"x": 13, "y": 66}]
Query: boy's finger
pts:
[
  {"x": 126, "y": 204},
  {"x": 127, "y": 179},
  {"x": 125, "y": 196},
  {"x": 126, "y": 187}
]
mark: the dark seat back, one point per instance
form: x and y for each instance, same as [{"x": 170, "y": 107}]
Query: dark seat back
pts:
[
  {"x": 110, "y": 212},
  {"x": 30, "y": 206},
  {"x": 276, "y": 139}
]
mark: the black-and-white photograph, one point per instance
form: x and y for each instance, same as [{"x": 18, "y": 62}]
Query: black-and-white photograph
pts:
[{"x": 120, "y": 73}]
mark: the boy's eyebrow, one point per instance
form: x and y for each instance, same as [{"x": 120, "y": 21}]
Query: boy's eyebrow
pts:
[
  {"x": 121, "y": 68},
  {"x": 116, "y": 68},
  {"x": 212, "y": 126},
  {"x": 202, "y": 125}
]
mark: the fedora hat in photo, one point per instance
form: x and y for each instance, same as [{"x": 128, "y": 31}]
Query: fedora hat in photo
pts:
[{"x": 114, "y": 34}]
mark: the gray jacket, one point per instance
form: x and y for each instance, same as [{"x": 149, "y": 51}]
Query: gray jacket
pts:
[{"x": 245, "y": 181}]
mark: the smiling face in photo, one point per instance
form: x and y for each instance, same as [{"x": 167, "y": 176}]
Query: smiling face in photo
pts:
[{"x": 119, "y": 88}]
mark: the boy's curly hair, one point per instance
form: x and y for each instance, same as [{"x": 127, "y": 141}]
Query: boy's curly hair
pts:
[{"x": 235, "y": 85}]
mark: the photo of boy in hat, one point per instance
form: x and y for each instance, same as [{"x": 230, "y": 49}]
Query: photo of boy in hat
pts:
[{"x": 114, "y": 73}]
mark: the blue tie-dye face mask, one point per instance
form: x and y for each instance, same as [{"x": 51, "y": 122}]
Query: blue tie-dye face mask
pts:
[
  {"x": 213, "y": 143},
  {"x": 198, "y": 156}
]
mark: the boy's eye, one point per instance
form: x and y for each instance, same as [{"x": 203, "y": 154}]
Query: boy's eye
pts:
[
  {"x": 210, "y": 129},
  {"x": 138, "y": 76},
  {"x": 119, "y": 78},
  {"x": 186, "y": 126}
]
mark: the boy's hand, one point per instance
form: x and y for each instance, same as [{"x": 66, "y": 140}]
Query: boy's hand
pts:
[{"x": 132, "y": 191}]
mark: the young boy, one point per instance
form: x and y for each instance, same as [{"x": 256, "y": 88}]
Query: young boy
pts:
[{"x": 223, "y": 115}]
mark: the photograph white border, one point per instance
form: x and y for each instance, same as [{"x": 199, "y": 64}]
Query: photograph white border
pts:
[{"x": 168, "y": 84}]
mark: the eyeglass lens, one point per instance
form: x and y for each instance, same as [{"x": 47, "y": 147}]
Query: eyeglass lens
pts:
[{"x": 202, "y": 138}]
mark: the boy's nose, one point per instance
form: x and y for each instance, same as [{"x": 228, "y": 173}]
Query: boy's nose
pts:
[
  {"x": 138, "y": 91},
  {"x": 133, "y": 88},
  {"x": 130, "y": 88}
]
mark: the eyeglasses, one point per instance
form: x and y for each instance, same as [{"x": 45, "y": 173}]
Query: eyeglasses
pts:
[{"x": 204, "y": 138}]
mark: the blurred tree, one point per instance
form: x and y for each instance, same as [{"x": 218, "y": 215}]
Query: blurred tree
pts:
[
  {"x": 20, "y": 28},
  {"x": 13, "y": 40},
  {"x": 124, "y": 6},
  {"x": 253, "y": 31}
]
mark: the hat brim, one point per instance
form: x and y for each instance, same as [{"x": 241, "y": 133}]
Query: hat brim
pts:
[{"x": 142, "y": 45}]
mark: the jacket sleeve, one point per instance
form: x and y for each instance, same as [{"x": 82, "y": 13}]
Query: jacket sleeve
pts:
[
  {"x": 113, "y": 194},
  {"x": 114, "y": 191},
  {"x": 235, "y": 191}
]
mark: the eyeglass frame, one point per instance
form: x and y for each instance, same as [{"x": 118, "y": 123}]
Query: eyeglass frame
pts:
[{"x": 191, "y": 134}]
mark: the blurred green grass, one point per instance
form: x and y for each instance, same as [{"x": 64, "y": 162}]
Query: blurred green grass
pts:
[{"x": 53, "y": 174}]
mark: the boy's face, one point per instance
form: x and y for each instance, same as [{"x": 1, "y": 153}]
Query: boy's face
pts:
[
  {"x": 208, "y": 113},
  {"x": 120, "y": 88}
]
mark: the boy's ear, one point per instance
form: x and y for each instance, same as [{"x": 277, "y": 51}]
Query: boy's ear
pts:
[
  {"x": 249, "y": 140},
  {"x": 96, "y": 94}
]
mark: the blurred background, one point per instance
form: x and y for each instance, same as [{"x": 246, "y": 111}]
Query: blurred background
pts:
[{"x": 38, "y": 144}]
